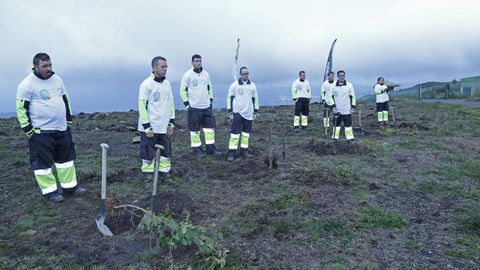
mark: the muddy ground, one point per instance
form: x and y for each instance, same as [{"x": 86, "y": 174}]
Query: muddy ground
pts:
[{"x": 403, "y": 197}]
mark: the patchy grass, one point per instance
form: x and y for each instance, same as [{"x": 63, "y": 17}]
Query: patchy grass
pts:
[{"x": 405, "y": 197}]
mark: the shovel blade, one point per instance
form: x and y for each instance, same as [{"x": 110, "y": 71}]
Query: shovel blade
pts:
[{"x": 104, "y": 230}]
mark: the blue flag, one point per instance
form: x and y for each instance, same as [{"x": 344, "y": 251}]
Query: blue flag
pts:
[{"x": 329, "y": 65}]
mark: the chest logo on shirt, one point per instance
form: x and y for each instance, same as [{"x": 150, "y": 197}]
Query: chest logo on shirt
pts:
[
  {"x": 45, "y": 94},
  {"x": 240, "y": 92},
  {"x": 156, "y": 96},
  {"x": 299, "y": 88},
  {"x": 195, "y": 82}
]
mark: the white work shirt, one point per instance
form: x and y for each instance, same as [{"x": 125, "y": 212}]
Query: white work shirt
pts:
[
  {"x": 326, "y": 91},
  {"x": 381, "y": 93},
  {"x": 159, "y": 99},
  {"x": 47, "y": 108},
  {"x": 243, "y": 92},
  {"x": 301, "y": 88},
  {"x": 341, "y": 97},
  {"x": 197, "y": 92}
]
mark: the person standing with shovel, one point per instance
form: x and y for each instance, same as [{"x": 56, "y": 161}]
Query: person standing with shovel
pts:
[
  {"x": 156, "y": 118},
  {"x": 44, "y": 113}
]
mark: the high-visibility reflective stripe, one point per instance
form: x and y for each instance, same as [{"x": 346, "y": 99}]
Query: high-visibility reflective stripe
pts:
[
  {"x": 380, "y": 116},
  {"x": 64, "y": 165},
  {"x": 164, "y": 165},
  {"x": 336, "y": 132},
  {"x": 244, "y": 140},
  {"x": 233, "y": 143},
  {"x": 304, "y": 120},
  {"x": 209, "y": 135},
  {"x": 67, "y": 175},
  {"x": 49, "y": 189},
  {"x": 385, "y": 115},
  {"x": 147, "y": 166},
  {"x": 349, "y": 133},
  {"x": 326, "y": 122},
  {"x": 70, "y": 184},
  {"x": 195, "y": 138},
  {"x": 43, "y": 171},
  {"x": 296, "y": 121}
]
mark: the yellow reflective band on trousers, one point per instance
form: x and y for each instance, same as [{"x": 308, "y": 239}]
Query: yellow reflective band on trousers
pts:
[
  {"x": 45, "y": 180},
  {"x": 147, "y": 166},
  {"x": 195, "y": 139},
  {"x": 233, "y": 144},
  {"x": 336, "y": 132},
  {"x": 349, "y": 133},
  {"x": 385, "y": 115},
  {"x": 244, "y": 140},
  {"x": 326, "y": 122},
  {"x": 304, "y": 120},
  {"x": 209, "y": 135},
  {"x": 296, "y": 121},
  {"x": 380, "y": 116},
  {"x": 66, "y": 174},
  {"x": 164, "y": 165}
]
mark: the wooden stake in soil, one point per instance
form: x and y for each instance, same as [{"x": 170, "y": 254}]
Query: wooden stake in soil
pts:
[{"x": 270, "y": 160}]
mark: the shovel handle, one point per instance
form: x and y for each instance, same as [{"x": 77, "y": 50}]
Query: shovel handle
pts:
[
  {"x": 155, "y": 175},
  {"x": 104, "y": 170}
]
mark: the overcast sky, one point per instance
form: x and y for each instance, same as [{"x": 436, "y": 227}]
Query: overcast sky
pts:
[{"x": 102, "y": 49}]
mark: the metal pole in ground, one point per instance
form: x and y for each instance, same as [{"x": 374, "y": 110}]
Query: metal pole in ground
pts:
[
  {"x": 283, "y": 146},
  {"x": 270, "y": 160},
  {"x": 394, "y": 119}
]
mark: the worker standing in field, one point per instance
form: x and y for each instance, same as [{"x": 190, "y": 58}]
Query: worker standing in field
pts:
[
  {"x": 343, "y": 102},
  {"x": 326, "y": 97},
  {"x": 301, "y": 95},
  {"x": 242, "y": 105},
  {"x": 197, "y": 96},
  {"x": 44, "y": 112},
  {"x": 381, "y": 94},
  {"x": 156, "y": 118}
]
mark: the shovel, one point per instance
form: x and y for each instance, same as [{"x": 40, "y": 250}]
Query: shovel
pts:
[
  {"x": 148, "y": 216},
  {"x": 104, "y": 230}
]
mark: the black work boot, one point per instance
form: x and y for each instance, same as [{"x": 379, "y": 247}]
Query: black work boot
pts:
[
  {"x": 212, "y": 150},
  {"x": 54, "y": 197},
  {"x": 198, "y": 152},
  {"x": 245, "y": 154},
  {"x": 75, "y": 191},
  {"x": 231, "y": 156}
]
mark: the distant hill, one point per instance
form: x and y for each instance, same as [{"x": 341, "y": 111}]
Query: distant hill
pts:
[{"x": 7, "y": 114}]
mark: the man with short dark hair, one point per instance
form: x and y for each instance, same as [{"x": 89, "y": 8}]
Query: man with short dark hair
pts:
[
  {"x": 44, "y": 113},
  {"x": 242, "y": 106},
  {"x": 156, "y": 118},
  {"x": 301, "y": 95},
  {"x": 197, "y": 96},
  {"x": 326, "y": 97},
  {"x": 343, "y": 102}
]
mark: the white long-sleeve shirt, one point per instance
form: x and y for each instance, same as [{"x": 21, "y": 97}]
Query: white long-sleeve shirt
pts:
[
  {"x": 381, "y": 93},
  {"x": 301, "y": 89},
  {"x": 344, "y": 97},
  {"x": 245, "y": 98},
  {"x": 196, "y": 89},
  {"x": 326, "y": 92}
]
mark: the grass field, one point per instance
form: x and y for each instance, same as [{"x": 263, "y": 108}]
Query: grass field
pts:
[{"x": 404, "y": 197}]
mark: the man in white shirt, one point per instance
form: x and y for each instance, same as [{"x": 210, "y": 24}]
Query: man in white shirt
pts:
[
  {"x": 197, "y": 96},
  {"x": 242, "y": 105},
  {"x": 301, "y": 95},
  {"x": 344, "y": 100},
  {"x": 156, "y": 118},
  {"x": 44, "y": 113},
  {"x": 326, "y": 97},
  {"x": 381, "y": 94}
]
